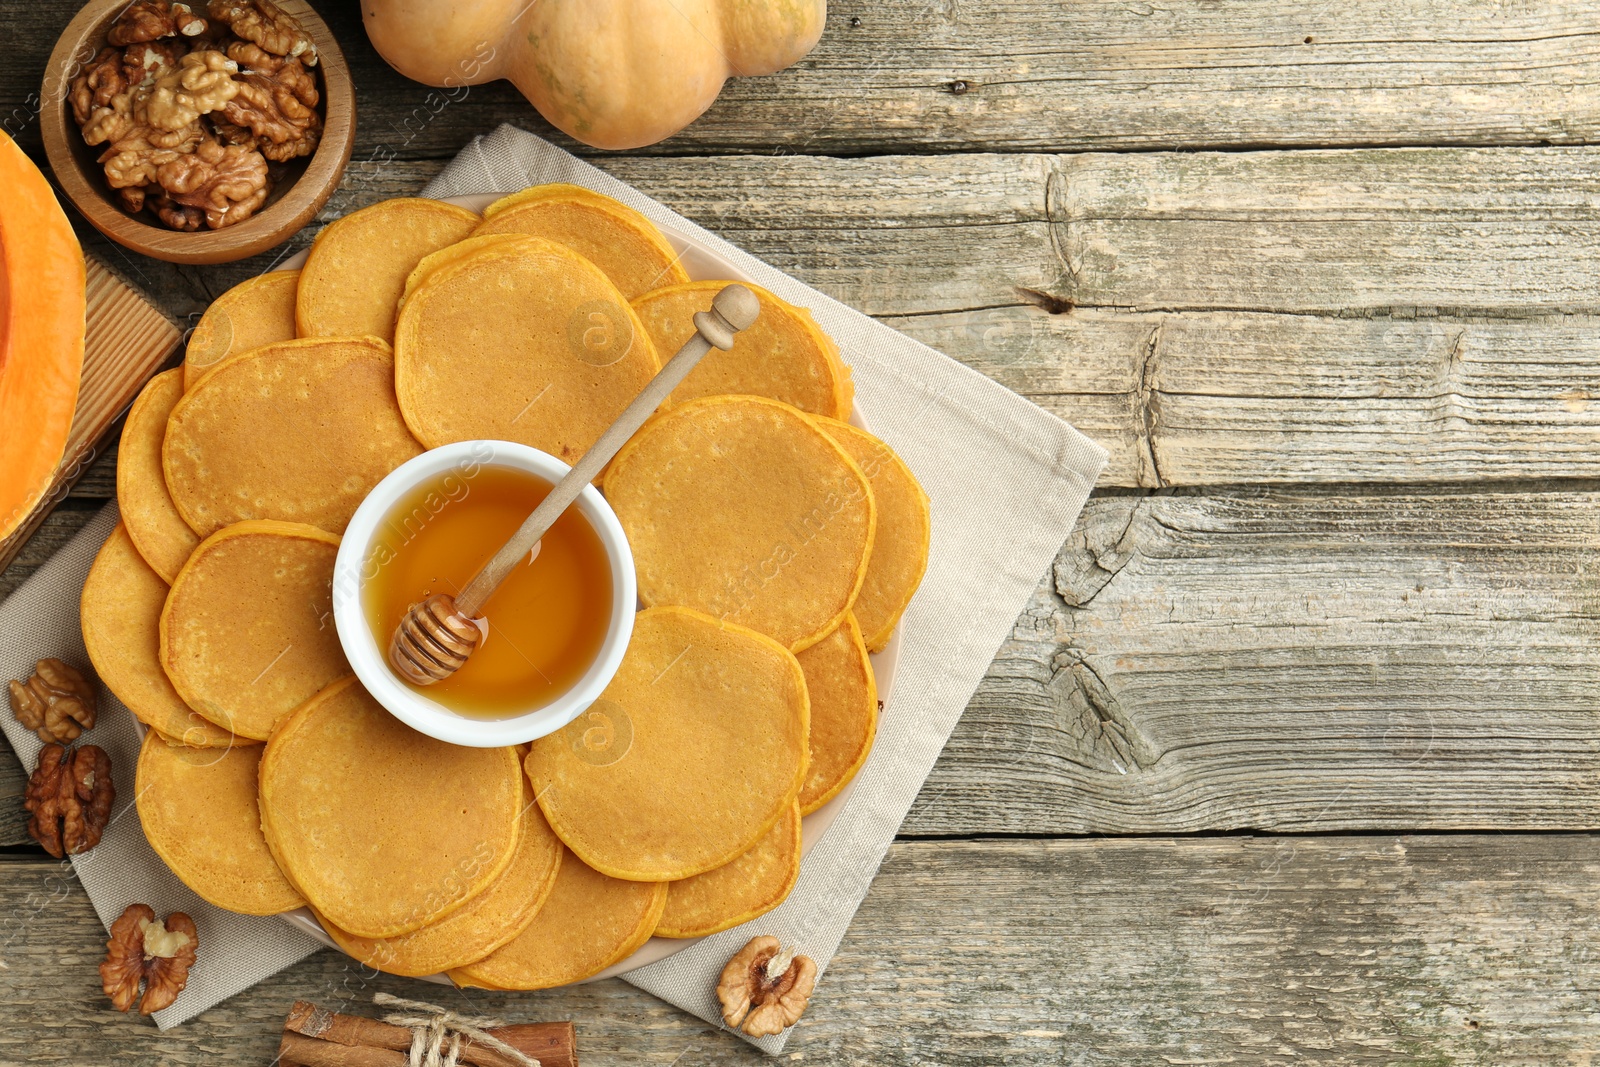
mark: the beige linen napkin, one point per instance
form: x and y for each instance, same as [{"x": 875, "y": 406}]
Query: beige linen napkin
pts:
[
  {"x": 1007, "y": 481},
  {"x": 236, "y": 951}
]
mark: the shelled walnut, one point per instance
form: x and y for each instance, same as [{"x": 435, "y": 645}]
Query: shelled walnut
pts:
[
  {"x": 225, "y": 182},
  {"x": 201, "y": 83},
  {"x": 56, "y": 702},
  {"x": 263, "y": 23},
  {"x": 148, "y": 20},
  {"x": 763, "y": 990},
  {"x": 142, "y": 950},
  {"x": 70, "y": 796},
  {"x": 192, "y": 110},
  {"x": 279, "y": 108}
]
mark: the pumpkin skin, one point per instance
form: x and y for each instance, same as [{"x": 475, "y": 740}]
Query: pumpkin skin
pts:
[
  {"x": 611, "y": 73},
  {"x": 41, "y": 334}
]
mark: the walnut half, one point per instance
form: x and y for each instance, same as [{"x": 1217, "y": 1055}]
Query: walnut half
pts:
[
  {"x": 57, "y": 702},
  {"x": 70, "y": 796},
  {"x": 144, "y": 950},
  {"x": 764, "y": 991}
]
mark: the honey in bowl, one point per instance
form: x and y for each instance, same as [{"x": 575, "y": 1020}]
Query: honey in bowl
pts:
[{"x": 546, "y": 621}]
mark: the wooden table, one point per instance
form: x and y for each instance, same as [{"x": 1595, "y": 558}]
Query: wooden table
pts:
[{"x": 1294, "y": 755}]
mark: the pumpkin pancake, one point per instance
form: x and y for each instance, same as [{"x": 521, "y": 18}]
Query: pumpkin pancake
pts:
[
  {"x": 905, "y": 527},
  {"x": 518, "y": 340},
  {"x": 783, "y": 355},
  {"x": 616, "y": 238},
  {"x": 482, "y": 924},
  {"x": 844, "y": 712},
  {"x": 736, "y": 892},
  {"x": 447, "y": 255},
  {"x": 158, "y": 531},
  {"x": 121, "y": 617},
  {"x": 258, "y": 311},
  {"x": 713, "y": 717},
  {"x": 247, "y": 633},
  {"x": 199, "y": 811},
  {"x": 357, "y": 267},
  {"x": 587, "y": 923},
  {"x": 298, "y": 431},
  {"x": 741, "y": 507},
  {"x": 383, "y": 829}
]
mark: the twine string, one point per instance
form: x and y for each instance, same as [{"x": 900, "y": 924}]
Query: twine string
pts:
[{"x": 436, "y": 1033}]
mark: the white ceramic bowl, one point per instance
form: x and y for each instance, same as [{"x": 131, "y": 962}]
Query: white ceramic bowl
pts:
[{"x": 367, "y": 652}]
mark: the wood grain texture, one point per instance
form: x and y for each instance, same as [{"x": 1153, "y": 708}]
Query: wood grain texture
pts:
[
  {"x": 1401, "y": 316},
  {"x": 13, "y": 786},
  {"x": 1261, "y": 317},
  {"x": 1485, "y": 231},
  {"x": 1291, "y": 660},
  {"x": 1468, "y": 950},
  {"x": 959, "y": 75},
  {"x": 1267, "y": 660},
  {"x": 1225, "y": 397}
]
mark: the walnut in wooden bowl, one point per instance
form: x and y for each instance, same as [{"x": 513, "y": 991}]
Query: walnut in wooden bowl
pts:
[{"x": 199, "y": 131}]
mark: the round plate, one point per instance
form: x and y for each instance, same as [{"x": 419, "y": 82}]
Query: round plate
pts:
[{"x": 703, "y": 264}]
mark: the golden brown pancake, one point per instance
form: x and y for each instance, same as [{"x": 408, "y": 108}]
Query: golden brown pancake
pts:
[
  {"x": 905, "y": 527},
  {"x": 199, "y": 811},
  {"x": 616, "y": 238},
  {"x": 783, "y": 355},
  {"x": 447, "y": 255},
  {"x": 383, "y": 829},
  {"x": 298, "y": 431},
  {"x": 247, "y": 633},
  {"x": 740, "y": 507},
  {"x": 121, "y": 617},
  {"x": 588, "y": 923},
  {"x": 357, "y": 267},
  {"x": 736, "y": 892},
  {"x": 518, "y": 340},
  {"x": 482, "y": 924},
  {"x": 158, "y": 531},
  {"x": 844, "y": 712},
  {"x": 712, "y": 725},
  {"x": 258, "y": 311}
]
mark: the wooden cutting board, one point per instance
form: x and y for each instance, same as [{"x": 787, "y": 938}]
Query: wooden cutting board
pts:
[{"x": 126, "y": 340}]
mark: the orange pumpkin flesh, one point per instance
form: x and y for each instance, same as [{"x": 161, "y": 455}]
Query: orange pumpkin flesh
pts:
[{"x": 41, "y": 334}]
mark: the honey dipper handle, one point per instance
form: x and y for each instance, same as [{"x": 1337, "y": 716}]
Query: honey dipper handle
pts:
[{"x": 733, "y": 309}]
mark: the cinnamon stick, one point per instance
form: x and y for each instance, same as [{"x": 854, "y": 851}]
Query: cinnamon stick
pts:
[
  {"x": 297, "y": 1050},
  {"x": 316, "y": 1037}
]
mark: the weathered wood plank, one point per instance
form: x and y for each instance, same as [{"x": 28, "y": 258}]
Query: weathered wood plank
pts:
[
  {"x": 1471, "y": 950},
  {"x": 915, "y": 75},
  {"x": 1268, "y": 660},
  {"x": 1341, "y": 378},
  {"x": 1486, "y": 231},
  {"x": 13, "y": 785},
  {"x": 1205, "y": 398},
  {"x": 1294, "y": 661},
  {"x": 59, "y": 528},
  {"x": 99, "y": 482}
]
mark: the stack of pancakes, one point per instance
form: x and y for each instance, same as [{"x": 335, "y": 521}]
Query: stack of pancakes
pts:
[{"x": 776, "y": 547}]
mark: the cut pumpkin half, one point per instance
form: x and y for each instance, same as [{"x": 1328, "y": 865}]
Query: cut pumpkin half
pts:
[{"x": 41, "y": 334}]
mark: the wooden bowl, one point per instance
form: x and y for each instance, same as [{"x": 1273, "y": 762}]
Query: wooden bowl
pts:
[{"x": 295, "y": 199}]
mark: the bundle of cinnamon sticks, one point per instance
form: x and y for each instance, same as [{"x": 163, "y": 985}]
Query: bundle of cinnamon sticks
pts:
[{"x": 316, "y": 1037}]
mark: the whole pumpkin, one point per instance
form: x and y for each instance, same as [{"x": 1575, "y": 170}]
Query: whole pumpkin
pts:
[{"x": 612, "y": 73}]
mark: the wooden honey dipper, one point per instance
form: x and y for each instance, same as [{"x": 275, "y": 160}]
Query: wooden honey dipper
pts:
[{"x": 435, "y": 638}]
